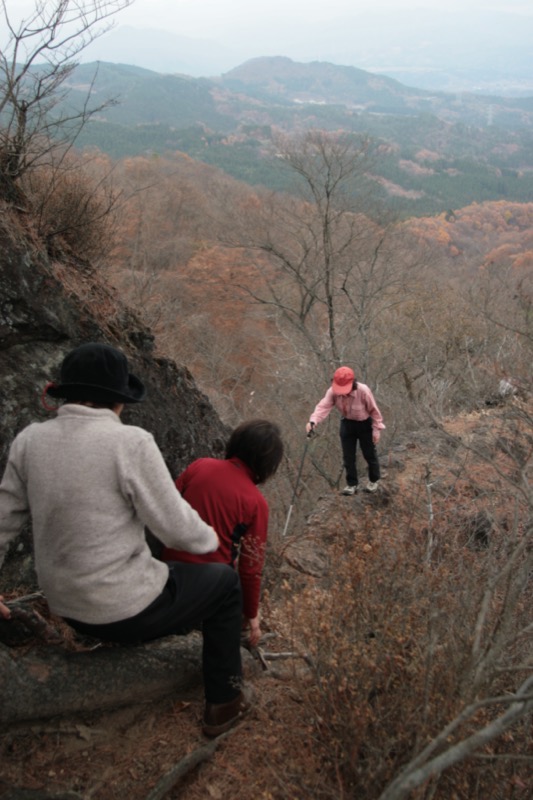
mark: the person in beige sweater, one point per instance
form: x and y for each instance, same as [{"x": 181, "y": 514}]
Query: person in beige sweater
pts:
[{"x": 90, "y": 486}]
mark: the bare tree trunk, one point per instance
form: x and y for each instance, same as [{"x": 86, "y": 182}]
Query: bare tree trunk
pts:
[{"x": 48, "y": 682}]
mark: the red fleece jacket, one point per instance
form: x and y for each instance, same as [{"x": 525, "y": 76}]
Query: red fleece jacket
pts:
[{"x": 225, "y": 496}]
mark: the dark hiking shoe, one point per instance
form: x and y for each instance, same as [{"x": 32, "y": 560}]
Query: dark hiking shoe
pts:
[
  {"x": 220, "y": 717},
  {"x": 349, "y": 490}
]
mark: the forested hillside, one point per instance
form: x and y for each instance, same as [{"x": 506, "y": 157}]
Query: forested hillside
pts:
[
  {"x": 433, "y": 151},
  {"x": 206, "y": 253}
]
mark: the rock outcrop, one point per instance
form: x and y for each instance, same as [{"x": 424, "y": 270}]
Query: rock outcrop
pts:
[{"x": 47, "y": 307}]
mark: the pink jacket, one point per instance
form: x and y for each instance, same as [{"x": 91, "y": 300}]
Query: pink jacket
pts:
[{"x": 358, "y": 404}]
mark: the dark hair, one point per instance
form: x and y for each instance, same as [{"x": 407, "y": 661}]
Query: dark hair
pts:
[{"x": 257, "y": 443}]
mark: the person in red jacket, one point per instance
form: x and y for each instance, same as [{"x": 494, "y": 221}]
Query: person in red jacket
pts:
[
  {"x": 225, "y": 494},
  {"x": 361, "y": 422}
]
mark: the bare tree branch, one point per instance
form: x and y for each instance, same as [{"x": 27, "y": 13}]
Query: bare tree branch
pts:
[
  {"x": 421, "y": 768},
  {"x": 35, "y": 63}
]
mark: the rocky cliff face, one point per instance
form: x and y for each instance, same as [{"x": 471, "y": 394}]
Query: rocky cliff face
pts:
[{"x": 48, "y": 307}]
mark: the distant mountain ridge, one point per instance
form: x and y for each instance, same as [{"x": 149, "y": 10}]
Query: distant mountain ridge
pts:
[
  {"x": 485, "y": 51},
  {"x": 280, "y": 78},
  {"x": 147, "y": 97},
  {"x": 437, "y": 150}
]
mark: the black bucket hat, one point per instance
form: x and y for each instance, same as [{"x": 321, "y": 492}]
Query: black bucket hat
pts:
[{"x": 97, "y": 373}]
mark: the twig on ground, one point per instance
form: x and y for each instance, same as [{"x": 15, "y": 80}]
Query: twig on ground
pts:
[
  {"x": 186, "y": 765},
  {"x": 264, "y": 657},
  {"x": 258, "y": 653},
  {"x": 27, "y": 598}
]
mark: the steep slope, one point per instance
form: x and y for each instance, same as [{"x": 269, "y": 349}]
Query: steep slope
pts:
[{"x": 130, "y": 752}]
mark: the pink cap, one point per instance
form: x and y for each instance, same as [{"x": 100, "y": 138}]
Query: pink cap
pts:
[{"x": 343, "y": 380}]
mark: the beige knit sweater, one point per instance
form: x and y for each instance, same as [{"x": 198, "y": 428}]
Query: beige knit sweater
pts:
[{"x": 91, "y": 485}]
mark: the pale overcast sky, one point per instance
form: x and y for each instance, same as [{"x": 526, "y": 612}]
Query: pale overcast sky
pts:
[
  {"x": 372, "y": 34},
  {"x": 209, "y": 18}
]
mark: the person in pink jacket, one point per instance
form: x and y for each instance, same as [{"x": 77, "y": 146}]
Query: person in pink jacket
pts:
[{"x": 361, "y": 422}]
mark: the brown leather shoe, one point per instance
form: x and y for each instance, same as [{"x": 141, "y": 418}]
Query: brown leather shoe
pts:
[{"x": 220, "y": 717}]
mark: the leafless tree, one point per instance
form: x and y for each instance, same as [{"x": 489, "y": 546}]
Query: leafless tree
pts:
[
  {"x": 38, "y": 57},
  {"x": 333, "y": 267}
]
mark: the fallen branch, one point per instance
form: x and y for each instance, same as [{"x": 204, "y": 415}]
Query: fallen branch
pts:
[
  {"x": 258, "y": 653},
  {"x": 278, "y": 656},
  {"x": 27, "y": 598},
  {"x": 426, "y": 765},
  {"x": 186, "y": 765},
  {"x": 266, "y": 656}
]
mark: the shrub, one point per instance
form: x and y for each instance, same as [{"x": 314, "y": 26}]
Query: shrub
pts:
[
  {"x": 393, "y": 647},
  {"x": 74, "y": 211}
]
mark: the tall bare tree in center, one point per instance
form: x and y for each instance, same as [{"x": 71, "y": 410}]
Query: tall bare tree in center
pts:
[{"x": 331, "y": 265}]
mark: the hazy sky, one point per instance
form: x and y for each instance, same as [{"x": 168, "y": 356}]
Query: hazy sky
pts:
[
  {"x": 372, "y": 34},
  {"x": 212, "y": 18},
  {"x": 216, "y": 18}
]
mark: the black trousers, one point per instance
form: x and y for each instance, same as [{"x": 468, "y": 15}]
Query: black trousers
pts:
[
  {"x": 206, "y": 596},
  {"x": 351, "y": 432}
]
